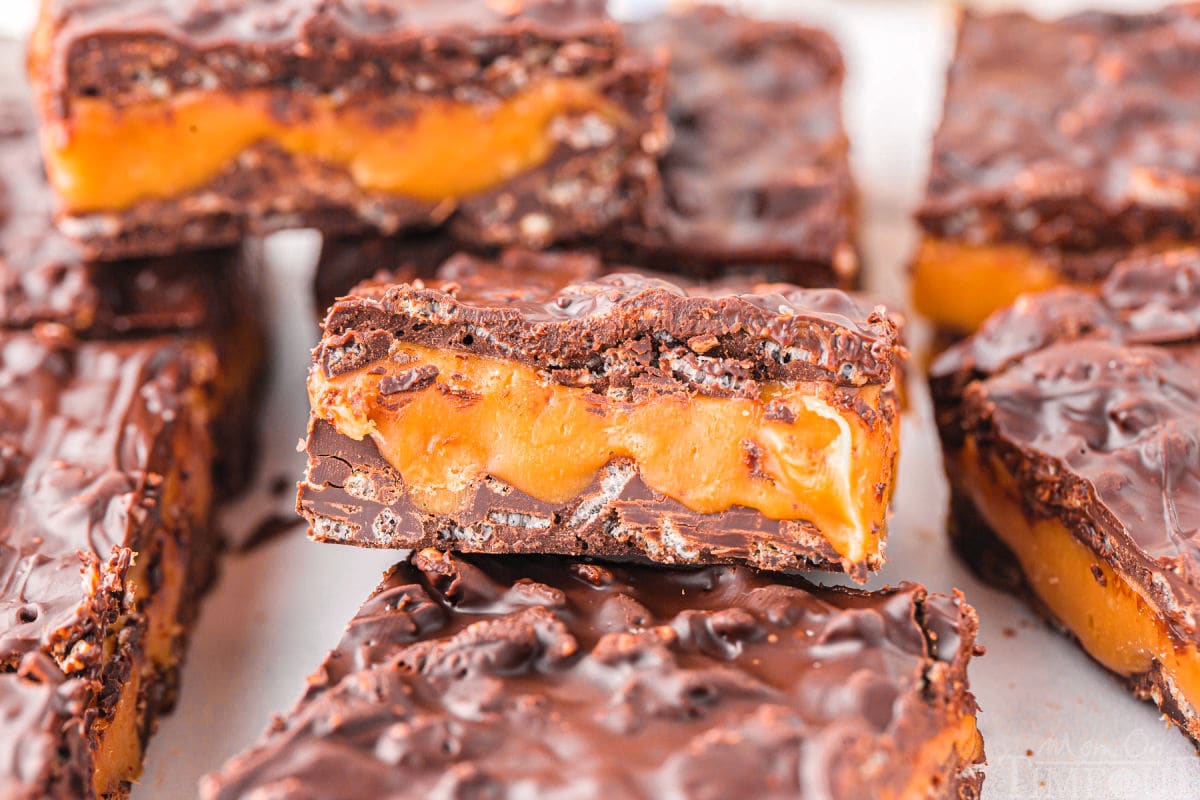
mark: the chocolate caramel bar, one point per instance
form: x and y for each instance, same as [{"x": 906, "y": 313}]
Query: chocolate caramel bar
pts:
[
  {"x": 172, "y": 125},
  {"x": 1071, "y": 429},
  {"x": 511, "y": 676},
  {"x": 540, "y": 402},
  {"x": 1065, "y": 146},
  {"x": 105, "y": 545}
]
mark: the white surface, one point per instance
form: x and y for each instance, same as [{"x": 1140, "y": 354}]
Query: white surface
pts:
[{"x": 1055, "y": 725}]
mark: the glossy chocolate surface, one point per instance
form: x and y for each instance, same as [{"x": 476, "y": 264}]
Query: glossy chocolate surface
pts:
[
  {"x": 532, "y": 676},
  {"x": 88, "y": 433},
  {"x": 83, "y": 444},
  {"x": 1092, "y": 400}
]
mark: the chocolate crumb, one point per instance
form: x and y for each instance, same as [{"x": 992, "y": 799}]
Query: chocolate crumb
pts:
[
  {"x": 410, "y": 380},
  {"x": 779, "y": 412},
  {"x": 752, "y": 457}
]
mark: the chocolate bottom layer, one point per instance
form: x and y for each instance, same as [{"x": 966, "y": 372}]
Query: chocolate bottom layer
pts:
[
  {"x": 993, "y": 561},
  {"x": 617, "y": 516}
]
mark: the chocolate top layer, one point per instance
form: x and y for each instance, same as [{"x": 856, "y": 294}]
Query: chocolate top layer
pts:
[
  {"x": 44, "y": 276},
  {"x": 1100, "y": 390},
  {"x": 1077, "y": 133},
  {"x": 107, "y": 47},
  {"x": 758, "y": 169},
  {"x": 561, "y": 313},
  {"x": 213, "y": 23},
  {"x": 533, "y": 676},
  {"x": 83, "y": 434}
]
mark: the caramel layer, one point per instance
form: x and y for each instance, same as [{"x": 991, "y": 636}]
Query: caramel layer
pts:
[
  {"x": 490, "y": 417},
  {"x": 1114, "y": 623},
  {"x": 958, "y": 285},
  {"x": 163, "y": 608},
  {"x": 118, "y": 756},
  {"x": 106, "y": 158},
  {"x": 960, "y": 744}
]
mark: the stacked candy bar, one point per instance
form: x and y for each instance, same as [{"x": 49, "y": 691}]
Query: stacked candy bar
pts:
[{"x": 127, "y": 396}]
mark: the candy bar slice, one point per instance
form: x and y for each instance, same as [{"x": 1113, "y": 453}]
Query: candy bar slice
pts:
[
  {"x": 526, "y": 676},
  {"x": 105, "y": 547},
  {"x": 758, "y": 171},
  {"x": 1065, "y": 146},
  {"x": 171, "y": 125},
  {"x": 537, "y": 403},
  {"x": 1071, "y": 428}
]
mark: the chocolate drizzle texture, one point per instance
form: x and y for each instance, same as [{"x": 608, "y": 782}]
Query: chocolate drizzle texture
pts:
[
  {"x": 757, "y": 173},
  {"x": 559, "y": 677}
]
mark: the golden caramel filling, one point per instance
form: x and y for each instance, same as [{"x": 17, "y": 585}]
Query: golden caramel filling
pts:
[
  {"x": 105, "y": 158},
  {"x": 162, "y": 609},
  {"x": 1105, "y": 611},
  {"x": 118, "y": 756},
  {"x": 955, "y": 747},
  {"x": 958, "y": 285},
  {"x": 490, "y": 417}
]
